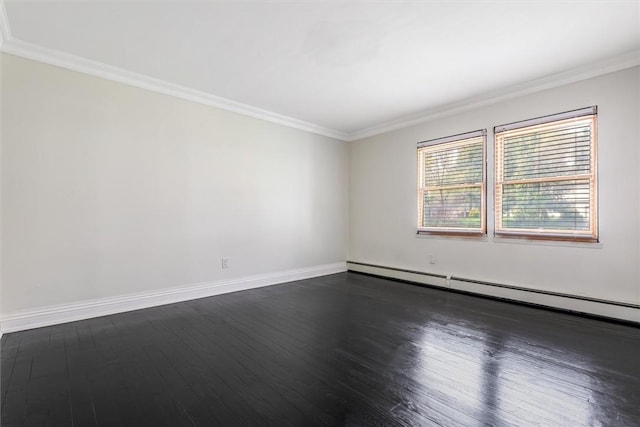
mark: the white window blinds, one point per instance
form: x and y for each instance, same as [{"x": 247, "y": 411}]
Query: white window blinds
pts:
[
  {"x": 451, "y": 184},
  {"x": 545, "y": 172}
]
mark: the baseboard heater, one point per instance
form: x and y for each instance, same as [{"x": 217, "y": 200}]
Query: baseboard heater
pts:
[{"x": 628, "y": 313}]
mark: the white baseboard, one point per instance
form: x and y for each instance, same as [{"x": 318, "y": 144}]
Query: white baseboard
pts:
[
  {"x": 568, "y": 302},
  {"x": 53, "y": 315}
]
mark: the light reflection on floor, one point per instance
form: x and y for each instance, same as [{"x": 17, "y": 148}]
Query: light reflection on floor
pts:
[{"x": 471, "y": 371}]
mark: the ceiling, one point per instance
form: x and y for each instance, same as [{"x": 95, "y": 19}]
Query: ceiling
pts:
[{"x": 344, "y": 69}]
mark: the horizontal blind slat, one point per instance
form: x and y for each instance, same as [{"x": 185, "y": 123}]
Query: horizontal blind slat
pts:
[
  {"x": 560, "y": 133},
  {"x": 568, "y": 115},
  {"x": 520, "y": 149},
  {"x": 477, "y": 134}
]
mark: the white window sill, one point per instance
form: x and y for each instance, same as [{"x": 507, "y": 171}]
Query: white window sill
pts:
[
  {"x": 469, "y": 238},
  {"x": 511, "y": 240},
  {"x": 560, "y": 243}
]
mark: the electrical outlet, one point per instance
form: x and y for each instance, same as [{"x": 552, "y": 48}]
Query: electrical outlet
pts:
[
  {"x": 432, "y": 259},
  {"x": 226, "y": 263}
]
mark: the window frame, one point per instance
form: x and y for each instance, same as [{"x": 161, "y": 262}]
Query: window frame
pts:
[
  {"x": 530, "y": 126},
  {"x": 449, "y": 142}
]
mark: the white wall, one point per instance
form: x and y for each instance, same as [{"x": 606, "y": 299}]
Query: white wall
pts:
[
  {"x": 110, "y": 190},
  {"x": 382, "y": 204},
  {"x": 1, "y": 145}
]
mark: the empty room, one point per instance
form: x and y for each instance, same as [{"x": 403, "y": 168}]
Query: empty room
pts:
[{"x": 298, "y": 213}]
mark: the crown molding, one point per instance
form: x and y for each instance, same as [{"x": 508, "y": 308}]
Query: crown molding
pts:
[
  {"x": 5, "y": 31},
  {"x": 610, "y": 65},
  {"x": 13, "y": 46},
  {"x": 87, "y": 66}
]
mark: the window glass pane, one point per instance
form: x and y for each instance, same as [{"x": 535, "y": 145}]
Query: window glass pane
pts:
[
  {"x": 562, "y": 205},
  {"x": 453, "y": 208},
  {"x": 459, "y": 165}
]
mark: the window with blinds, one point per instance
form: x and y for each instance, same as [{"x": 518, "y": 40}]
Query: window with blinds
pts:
[
  {"x": 545, "y": 185},
  {"x": 451, "y": 184}
]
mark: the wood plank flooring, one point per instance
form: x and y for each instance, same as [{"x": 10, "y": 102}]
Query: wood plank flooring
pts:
[{"x": 345, "y": 349}]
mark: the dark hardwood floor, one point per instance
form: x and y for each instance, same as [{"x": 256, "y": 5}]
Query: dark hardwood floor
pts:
[{"x": 346, "y": 349}]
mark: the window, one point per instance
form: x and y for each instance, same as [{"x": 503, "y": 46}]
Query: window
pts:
[
  {"x": 451, "y": 184},
  {"x": 546, "y": 177}
]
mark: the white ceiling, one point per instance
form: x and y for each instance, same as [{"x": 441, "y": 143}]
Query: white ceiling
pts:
[{"x": 345, "y": 68}]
